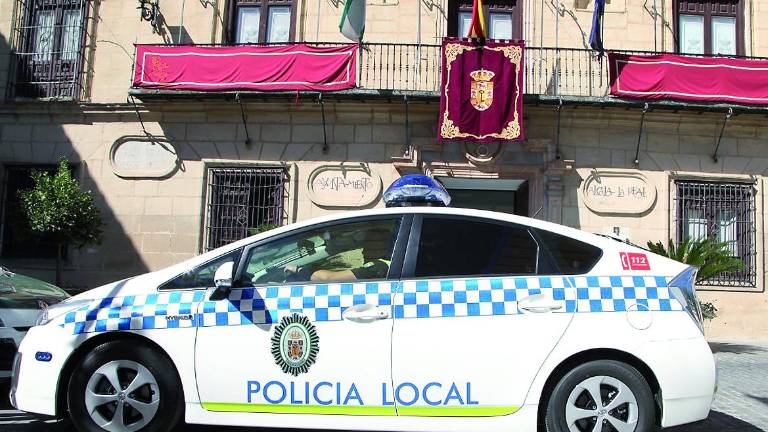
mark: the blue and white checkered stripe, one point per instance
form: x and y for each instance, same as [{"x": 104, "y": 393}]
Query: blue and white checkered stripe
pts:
[
  {"x": 620, "y": 293},
  {"x": 415, "y": 299},
  {"x": 324, "y": 302},
  {"x": 476, "y": 297},
  {"x": 135, "y": 312}
]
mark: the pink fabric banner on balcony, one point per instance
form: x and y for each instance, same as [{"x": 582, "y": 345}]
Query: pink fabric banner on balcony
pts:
[
  {"x": 707, "y": 79},
  {"x": 265, "y": 68},
  {"x": 482, "y": 90}
]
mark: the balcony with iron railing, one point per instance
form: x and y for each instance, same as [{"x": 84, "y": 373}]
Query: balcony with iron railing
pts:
[
  {"x": 389, "y": 68},
  {"x": 552, "y": 75}
]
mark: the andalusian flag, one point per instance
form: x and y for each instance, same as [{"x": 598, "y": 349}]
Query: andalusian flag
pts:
[
  {"x": 477, "y": 28},
  {"x": 352, "y": 23}
]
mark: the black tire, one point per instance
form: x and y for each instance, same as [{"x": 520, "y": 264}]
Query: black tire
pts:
[
  {"x": 645, "y": 414},
  {"x": 170, "y": 405}
]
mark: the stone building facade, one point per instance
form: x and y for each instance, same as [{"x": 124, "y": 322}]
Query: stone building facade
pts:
[{"x": 178, "y": 173}]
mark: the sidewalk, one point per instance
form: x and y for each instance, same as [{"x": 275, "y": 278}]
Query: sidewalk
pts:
[{"x": 741, "y": 403}]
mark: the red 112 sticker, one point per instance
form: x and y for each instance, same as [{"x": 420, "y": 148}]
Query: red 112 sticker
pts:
[{"x": 634, "y": 261}]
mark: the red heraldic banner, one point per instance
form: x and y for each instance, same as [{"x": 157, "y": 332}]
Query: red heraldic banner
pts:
[
  {"x": 482, "y": 91},
  {"x": 669, "y": 76},
  {"x": 266, "y": 68}
]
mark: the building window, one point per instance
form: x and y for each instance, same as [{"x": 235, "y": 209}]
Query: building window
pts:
[
  {"x": 261, "y": 21},
  {"x": 710, "y": 27},
  {"x": 725, "y": 211},
  {"x": 48, "y": 43},
  {"x": 18, "y": 240},
  {"x": 242, "y": 202},
  {"x": 502, "y": 18}
]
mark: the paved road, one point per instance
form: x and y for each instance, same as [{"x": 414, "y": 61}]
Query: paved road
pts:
[{"x": 741, "y": 404}]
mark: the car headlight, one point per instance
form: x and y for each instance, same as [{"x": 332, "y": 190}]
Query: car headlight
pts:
[
  {"x": 49, "y": 313},
  {"x": 683, "y": 287}
]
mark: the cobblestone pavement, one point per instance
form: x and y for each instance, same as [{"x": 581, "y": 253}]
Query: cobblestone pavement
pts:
[{"x": 741, "y": 404}]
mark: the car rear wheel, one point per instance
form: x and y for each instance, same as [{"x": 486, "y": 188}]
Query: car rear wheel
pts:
[
  {"x": 601, "y": 396},
  {"x": 121, "y": 387}
]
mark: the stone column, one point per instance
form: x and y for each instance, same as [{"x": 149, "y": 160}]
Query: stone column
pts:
[{"x": 553, "y": 189}]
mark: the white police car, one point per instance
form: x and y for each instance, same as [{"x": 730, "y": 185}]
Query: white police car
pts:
[{"x": 410, "y": 318}]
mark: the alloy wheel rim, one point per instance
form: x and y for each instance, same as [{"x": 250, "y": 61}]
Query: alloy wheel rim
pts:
[
  {"x": 601, "y": 404},
  {"x": 121, "y": 396}
]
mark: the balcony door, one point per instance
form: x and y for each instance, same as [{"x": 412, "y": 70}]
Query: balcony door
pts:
[
  {"x": 53, "y": 37},
  {"x": 261, "y": 21},
  {"x": 503, "y": 18},
  {"x": 710, "y": 27}
]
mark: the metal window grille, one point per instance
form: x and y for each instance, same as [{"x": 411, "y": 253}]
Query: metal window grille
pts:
[
  {"x": 241, "y": 201},
  {"x": 47, "y": 45},
  {"x": 725, "y": 211}
]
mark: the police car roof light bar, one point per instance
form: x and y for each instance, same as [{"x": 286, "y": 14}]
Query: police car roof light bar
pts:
[{"x": 416, "y": 190}]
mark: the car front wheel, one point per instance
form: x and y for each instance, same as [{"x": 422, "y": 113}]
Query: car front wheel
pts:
[
  {"x": 121, "y": 386},
  {"x": 601, "y": 396}
]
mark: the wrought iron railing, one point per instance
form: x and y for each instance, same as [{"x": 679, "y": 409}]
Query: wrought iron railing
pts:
[{"x": 549, "y": 71}]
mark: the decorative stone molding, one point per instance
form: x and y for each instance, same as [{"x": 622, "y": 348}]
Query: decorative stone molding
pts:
[
  {"x": 482, "y": 153},
  {"x": 615, "y": 191},
  {"x": 344, "y": 186},
  {"x": 143, "y": 156}
]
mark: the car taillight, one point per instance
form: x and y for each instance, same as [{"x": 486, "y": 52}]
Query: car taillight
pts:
[{"x": 683, "y": 287}]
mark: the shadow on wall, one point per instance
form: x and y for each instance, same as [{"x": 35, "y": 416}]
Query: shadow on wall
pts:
[{"x": 34, "y": 135}]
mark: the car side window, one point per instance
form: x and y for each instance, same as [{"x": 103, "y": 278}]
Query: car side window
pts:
[
  {"x": 571, "y": 256},
  {"x": 344, "y": 252},
  {"x": 200, "y": 276},
  {"x": 465, "y": 247}
]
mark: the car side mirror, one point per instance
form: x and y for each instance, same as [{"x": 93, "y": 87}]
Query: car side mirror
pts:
[{"x": 223, "y": 280}]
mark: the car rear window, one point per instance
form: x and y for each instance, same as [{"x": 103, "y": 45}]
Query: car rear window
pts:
[
  {"x": 464, "y": 247},
  {"x": 571, "y": 256}
]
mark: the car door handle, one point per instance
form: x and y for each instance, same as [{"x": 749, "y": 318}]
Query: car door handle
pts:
[
  {"x": 365, "y": 313},
  {"x": 538, "y": 303}
]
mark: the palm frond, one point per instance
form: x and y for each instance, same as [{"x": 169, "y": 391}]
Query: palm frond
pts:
[{"x": 709, "y": 255}]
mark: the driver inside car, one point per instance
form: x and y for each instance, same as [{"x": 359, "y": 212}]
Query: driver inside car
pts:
[{"x": 376, "y": 252}]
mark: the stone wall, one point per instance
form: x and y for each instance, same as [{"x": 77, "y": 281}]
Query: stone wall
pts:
[
  {"x": 115, "y": 27},
  {"x": 152, "y": 223},
  {"x": 673, "y": 145}
]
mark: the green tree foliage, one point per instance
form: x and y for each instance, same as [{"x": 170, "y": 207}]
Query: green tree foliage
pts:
[
  {"x": 57, "y": 207},
  {"x": 709, "y": 255}
]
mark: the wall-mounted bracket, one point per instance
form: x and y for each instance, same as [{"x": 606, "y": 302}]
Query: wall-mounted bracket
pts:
[
  {"x": 322, "y": 111},
  {"x": 646, "y": 108},
  {"x": 245, "y": 122},
  {"x": 138, "y": 114},
  {"x": 728, "y": 116}
]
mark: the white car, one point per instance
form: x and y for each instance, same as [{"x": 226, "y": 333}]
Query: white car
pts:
[
  {"x": 407, "y": 319},
  {"x": 21, "y": 299}
]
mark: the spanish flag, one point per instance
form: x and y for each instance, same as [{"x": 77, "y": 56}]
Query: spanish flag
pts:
[{"x": 477, "y": 28}]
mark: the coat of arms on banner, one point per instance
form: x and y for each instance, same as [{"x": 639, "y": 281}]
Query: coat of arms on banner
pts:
[
  {"x": 482, "y": 90},
  {"x": 481, "y": 93}
]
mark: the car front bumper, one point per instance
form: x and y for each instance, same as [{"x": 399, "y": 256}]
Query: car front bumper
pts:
[
  {"x": 35, "y": 381},
  {"x": 10, "y": 339}
]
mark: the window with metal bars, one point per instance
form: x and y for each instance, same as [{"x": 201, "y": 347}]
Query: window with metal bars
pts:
[
  {"x": 242, "y": 202},
  {"x": 47, "y": 43},
  {"x": 725, "y": 211}
]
